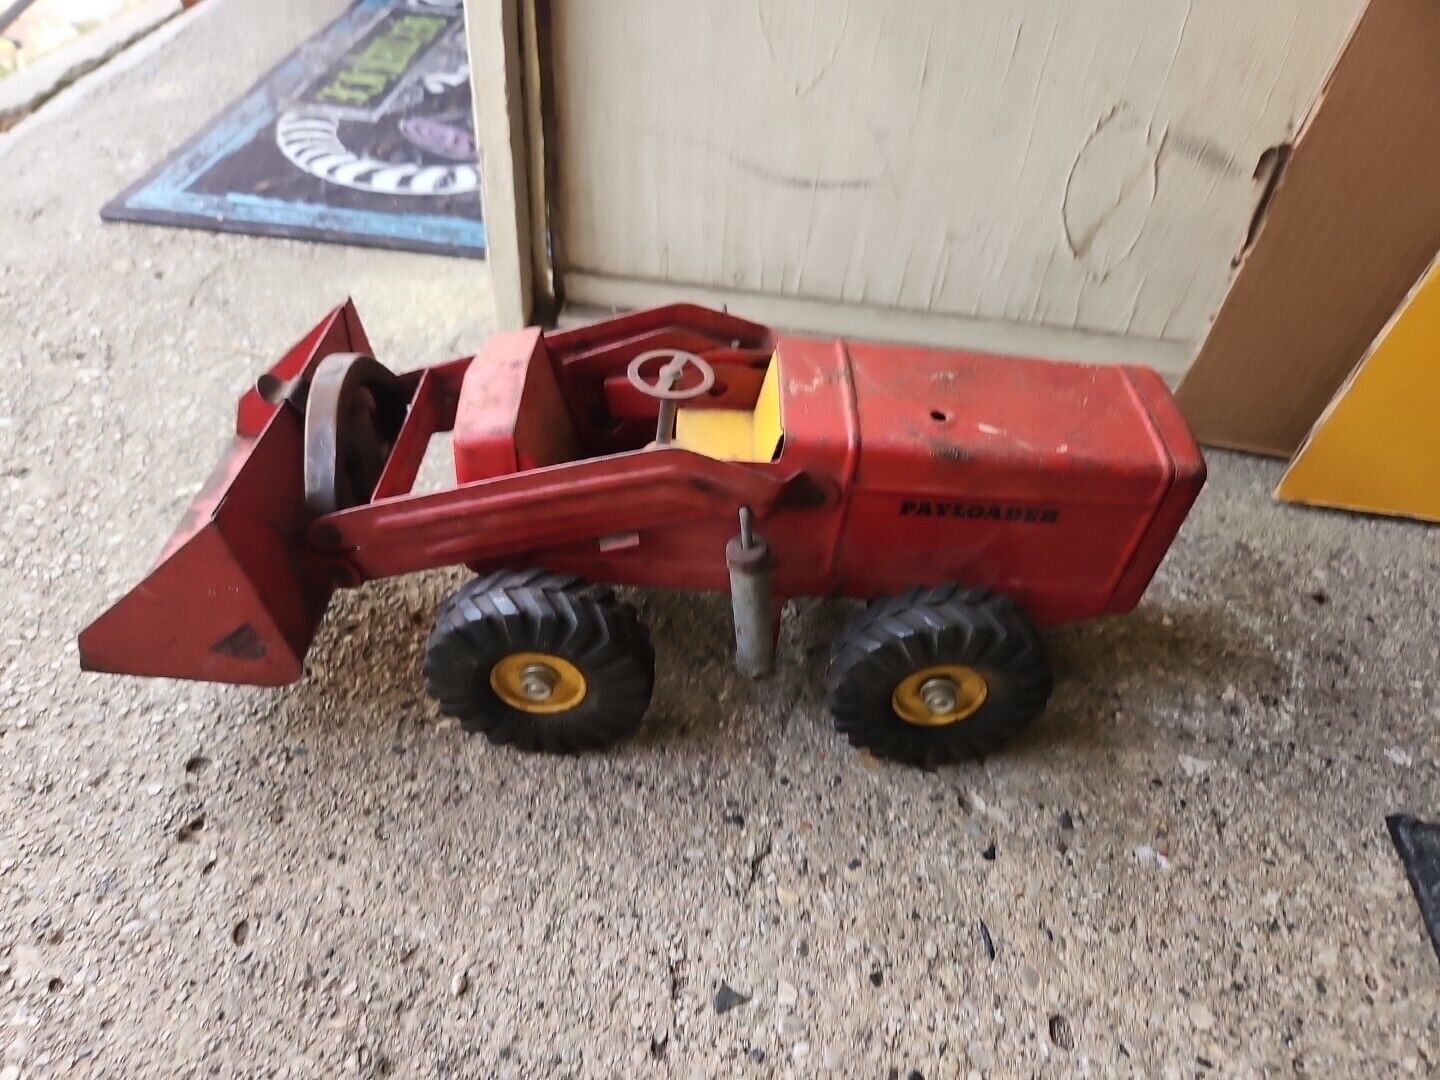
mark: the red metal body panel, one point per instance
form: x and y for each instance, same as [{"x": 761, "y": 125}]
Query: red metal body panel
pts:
[
  {"x": 511, "y": 416},
  {"x": 1039, "y": 479},
  {"x": 1186, "y": 481},
  {"x": 513, "y": 517},
  {"x": 433, "y": 402},
  {"x": 1060, "y": 484}
]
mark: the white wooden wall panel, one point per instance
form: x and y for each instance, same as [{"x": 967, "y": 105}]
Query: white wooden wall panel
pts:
[
  {"x": 492, "y": 29},
  {"x": 1077, "y": 164}
]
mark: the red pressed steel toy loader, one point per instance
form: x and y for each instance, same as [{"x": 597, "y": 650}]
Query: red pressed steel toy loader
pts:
[{"x": 969, "y": 498}]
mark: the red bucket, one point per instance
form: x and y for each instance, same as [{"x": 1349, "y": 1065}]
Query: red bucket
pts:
[{"x": 237, "y": 593}]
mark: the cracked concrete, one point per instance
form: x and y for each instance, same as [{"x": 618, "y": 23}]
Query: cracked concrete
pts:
[{"x": 1183, "y": 869}]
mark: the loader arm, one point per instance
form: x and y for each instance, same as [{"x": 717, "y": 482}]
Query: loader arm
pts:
[{"x": 572, "y": 503}]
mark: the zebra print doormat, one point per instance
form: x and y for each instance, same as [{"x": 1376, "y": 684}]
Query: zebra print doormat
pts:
[{"x": 361, "y": 136}]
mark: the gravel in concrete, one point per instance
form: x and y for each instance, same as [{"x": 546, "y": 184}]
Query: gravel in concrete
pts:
[{"x": 1182, "y": 870}]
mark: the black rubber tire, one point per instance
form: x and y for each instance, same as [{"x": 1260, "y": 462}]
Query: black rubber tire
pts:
[
  {"x": 534, "y": 611},
  {"x": 943, "y": 624}
]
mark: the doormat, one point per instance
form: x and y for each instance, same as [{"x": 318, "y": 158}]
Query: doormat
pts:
[{"x": 361, "y": 136}]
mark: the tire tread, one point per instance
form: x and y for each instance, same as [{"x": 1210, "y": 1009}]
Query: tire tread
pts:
[
  {"x": 926, "y": 625},
  {"x": 507, "y": 611}
]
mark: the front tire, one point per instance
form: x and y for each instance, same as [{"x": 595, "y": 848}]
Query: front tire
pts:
[
  {"x": 937, "y": 675},
  {"x": 540, "y": 661}
]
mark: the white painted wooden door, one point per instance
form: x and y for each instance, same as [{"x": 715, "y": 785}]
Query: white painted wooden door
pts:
[{"x": 1083, "y": 166}]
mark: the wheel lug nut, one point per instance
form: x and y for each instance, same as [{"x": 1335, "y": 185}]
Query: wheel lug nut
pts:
[
  {"x": 940, "y": 696},
  {"x": 537, "y": 682}
]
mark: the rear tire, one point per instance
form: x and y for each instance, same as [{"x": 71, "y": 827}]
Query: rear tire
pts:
[
  {"x": 982, "y": 651},
  {"x": 585, "y": 655}
]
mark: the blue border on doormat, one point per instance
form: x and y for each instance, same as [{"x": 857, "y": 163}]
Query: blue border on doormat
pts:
[{"x": 164, "y": 197}]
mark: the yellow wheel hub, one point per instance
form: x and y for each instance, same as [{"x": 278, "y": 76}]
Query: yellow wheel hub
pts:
[
  {"x": 939, "y": 695},
  {"x": 539, "y": 683}
]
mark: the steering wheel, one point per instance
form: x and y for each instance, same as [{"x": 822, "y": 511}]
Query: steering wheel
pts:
[{"x": 663, "y": 388}]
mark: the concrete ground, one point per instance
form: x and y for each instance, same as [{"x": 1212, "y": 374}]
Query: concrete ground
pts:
[{"x": 1182, "y": 870}]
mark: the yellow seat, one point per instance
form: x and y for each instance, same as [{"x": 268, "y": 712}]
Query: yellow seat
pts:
[{"x": 735, "y": 434}]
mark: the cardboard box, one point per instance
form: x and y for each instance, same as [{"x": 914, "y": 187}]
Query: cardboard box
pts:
[
  {"x": 1377, "y": 447},
  {"x": 1352, "y": 222}
]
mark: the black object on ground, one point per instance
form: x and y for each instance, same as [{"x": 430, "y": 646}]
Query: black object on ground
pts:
[
  {"x": 1418, "y": 843},
  {"x": 727, "y": 998},
  {"x": 361, "y": 136}
]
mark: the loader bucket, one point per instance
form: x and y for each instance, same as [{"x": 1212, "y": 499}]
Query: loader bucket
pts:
[{"x": 236, "y": 594}]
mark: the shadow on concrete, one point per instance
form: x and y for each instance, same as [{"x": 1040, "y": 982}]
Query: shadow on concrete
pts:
[
  {"x": 1153, "y": 662},
  {"x": 364, "y": 673}
]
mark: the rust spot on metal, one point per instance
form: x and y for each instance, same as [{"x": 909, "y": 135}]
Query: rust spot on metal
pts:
[{"x": 243, "y": 643}]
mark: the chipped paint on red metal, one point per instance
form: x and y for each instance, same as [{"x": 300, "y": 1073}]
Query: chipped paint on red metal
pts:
[{"x": 1059, "y": 484}]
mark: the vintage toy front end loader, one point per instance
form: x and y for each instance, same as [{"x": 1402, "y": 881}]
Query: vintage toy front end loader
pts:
[{"x": 969, "y": 498}]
